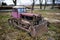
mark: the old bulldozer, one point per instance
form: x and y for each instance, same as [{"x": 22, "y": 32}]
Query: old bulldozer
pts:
[{"x": 32, "y": 23}]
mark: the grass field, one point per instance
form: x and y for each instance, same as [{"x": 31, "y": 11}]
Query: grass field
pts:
[{"x": 11, "y": 33}]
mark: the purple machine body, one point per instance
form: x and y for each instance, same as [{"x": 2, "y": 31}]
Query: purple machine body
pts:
[
  {"x": 34, "y": 24},
  {"x": 15, "y": 15},
  {"x": 17, "y": 11}
]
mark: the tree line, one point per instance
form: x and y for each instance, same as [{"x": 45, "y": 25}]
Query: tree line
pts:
[{"x": 40, "y": 3}]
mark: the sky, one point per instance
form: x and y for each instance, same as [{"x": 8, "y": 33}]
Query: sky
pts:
[{"x": 27, "y": 2}]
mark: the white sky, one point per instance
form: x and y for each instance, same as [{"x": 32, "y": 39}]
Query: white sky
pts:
[
  {"x": 27, "y": 2},
  {"x": 9, "y": 2}
]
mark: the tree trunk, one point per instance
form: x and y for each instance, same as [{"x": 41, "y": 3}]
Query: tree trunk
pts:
[
  {"x": 45, "y": 4},
  {"x": 33, "y": 6},
  {"x": 53, "y": 3},
  {"x": 40, "y": 1},
  {"x": 14, "y": 2}
]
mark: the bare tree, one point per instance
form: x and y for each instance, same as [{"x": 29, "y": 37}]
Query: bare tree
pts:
[
  {"x": 33, "y": 5},
  {"x": 14, "y": 2},
  {"x": 53, "y": 3},
  {"x": 40, "y": 1},
  {"x": 45, "y": 4}
]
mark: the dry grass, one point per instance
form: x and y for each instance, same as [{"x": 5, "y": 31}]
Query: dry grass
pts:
[{"x": 10, "y": 33}]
